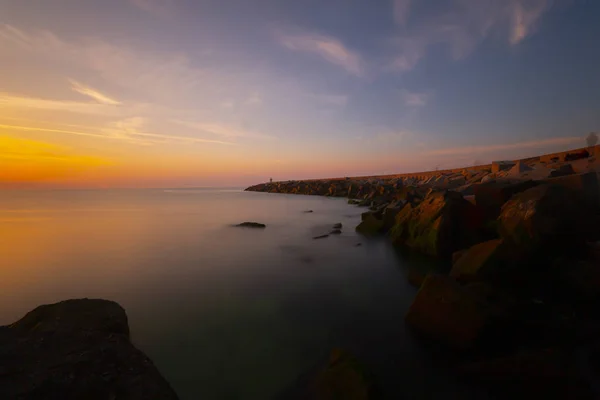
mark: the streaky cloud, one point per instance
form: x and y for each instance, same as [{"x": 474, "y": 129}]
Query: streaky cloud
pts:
[{"x": 94, "y": 94}]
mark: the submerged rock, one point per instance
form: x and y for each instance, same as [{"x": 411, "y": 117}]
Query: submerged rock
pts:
[
  {"x": 341, "y": 376},
  {"x": 321, "y": 237},
  {"x": 337, "y": 226},
  {"x": 336, "y": 232},
  {"x": 251, "y": 225},
  {"x": 76, "y": 349}
]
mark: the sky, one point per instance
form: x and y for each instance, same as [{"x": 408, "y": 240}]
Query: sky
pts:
[{"x": 185, "y": 93}]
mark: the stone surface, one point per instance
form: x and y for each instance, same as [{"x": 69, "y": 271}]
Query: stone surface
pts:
[
  {"x": 584, "y": 185},
  {"x": 544, "y": 215},
  {"x": 481, "y": 261},
  {"x": 370, "y": 225},
  {"x": 445, "y": 311},
  {"x": 498, "y": 166},
  {"x": 76, "y": 349},
  {"x": 490, "y": 196},
  {"x": 442, "y": 224}
]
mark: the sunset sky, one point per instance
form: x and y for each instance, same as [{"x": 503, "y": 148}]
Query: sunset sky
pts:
[{"x": 179, "y": 93}]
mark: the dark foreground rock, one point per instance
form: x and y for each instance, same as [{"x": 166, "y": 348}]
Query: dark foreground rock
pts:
[
  {"x": 445, "y": 311},
  {"x": 76, "y": 349}
]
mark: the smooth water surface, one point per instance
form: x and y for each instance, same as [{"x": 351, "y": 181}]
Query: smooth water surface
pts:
[{"x": 224, "y": 312}]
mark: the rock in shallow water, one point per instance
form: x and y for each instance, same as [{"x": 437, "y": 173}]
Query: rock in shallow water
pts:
[
  {"x": 76, "y": 349},
  {"x": 251, "y": 225}
]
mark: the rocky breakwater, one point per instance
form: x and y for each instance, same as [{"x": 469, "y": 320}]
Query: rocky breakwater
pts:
[
  {"x": 518, "y": 305},
  {"x": 76, "y": 349}
]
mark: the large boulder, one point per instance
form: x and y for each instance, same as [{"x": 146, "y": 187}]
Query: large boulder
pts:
[
  {"x": 480, "y": 261},
  {"x": 76, "y": 349},
  {"x": 547, "y": 215},
  {"x": 441, "y": 224},
  {"x": 583, "y": 185},
  {"x": 390, "y": 213},
  {"x": 445, "y": 311},
  {"x": 370, "y": 224},
  {"x": 490, "y": 196}
]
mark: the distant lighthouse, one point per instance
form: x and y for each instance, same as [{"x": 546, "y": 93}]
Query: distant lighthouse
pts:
[{"x": 271, "y": 180}]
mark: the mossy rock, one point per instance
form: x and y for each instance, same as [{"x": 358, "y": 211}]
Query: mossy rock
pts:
[{"x": 443, "y": 223}]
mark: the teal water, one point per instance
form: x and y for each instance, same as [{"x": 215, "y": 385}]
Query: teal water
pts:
[{"x": 224, "y": 312}]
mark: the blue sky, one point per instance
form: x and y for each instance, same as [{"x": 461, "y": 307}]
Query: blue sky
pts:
[{"x": 182, "y": 92}]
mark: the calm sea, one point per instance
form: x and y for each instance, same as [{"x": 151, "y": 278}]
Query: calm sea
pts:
[{"x": 224, "y": 312}]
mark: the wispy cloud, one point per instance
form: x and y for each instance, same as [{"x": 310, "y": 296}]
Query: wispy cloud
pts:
[
  {"x": 13, "y": 101},
  {"x": 94, "y": 94},
  {"x": 525, "y": 16},
  {"x": 132, "y": 128},
  {"x": 329, "y": 48},
  {"x": 462, "y": 28},
  {"x": 415, "y": 99},
  {"x": 160, "y": 8},
  {"x": 469, "y": 150},
  {"x": 222, "y": 130},
  {"x": 157, "y": 75},
  {"x": 124, "y": 130}
]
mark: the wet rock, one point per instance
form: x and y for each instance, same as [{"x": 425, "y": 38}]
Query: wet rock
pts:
[
  {"x": 307, "y": 211},
  {"x": 321, "y": 237},
  {"x": 442, "y": 224},
  {"x": 353, "y": 202},
  {"x": 370, "y": 225},
  {"x": 445, "y": 311},
  {"x": 76, "y": 349},
  {"x": 337, "y": 226},
  {"x": 336, "y": 232},
  {"x": 251, "y": 225}
]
